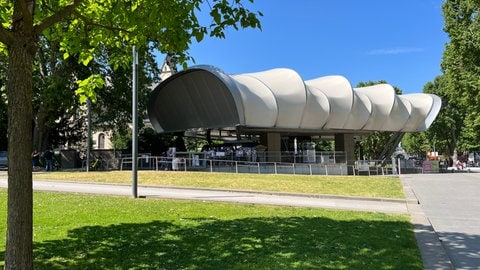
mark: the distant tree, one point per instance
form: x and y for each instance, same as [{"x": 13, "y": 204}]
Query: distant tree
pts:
[
  {"x": 152, "y": 142},
  {"x": 325, "y": 145},
  {"x": 59, "y": 118},
  {"x": 374, "y": 143},
  {"x": 113, "y": 109},
  {"x": 447, "y": 128},
  {"x": 82, "y": 28},
  {"x": 416, "y": 144},
  {"x": 55, "y": 108},
  {"x": 121, "y": 139}
]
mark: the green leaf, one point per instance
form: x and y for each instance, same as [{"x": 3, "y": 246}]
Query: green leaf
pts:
[
  {"x": 199, "y": 36},
  {"x": 86, "y": 88},
  {"x": 87, "y": 60}
]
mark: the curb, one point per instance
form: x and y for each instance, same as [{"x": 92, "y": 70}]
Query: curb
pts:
[{"x": 307, "y": 195}]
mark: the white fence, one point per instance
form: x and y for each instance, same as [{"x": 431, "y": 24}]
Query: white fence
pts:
[{"x": 193, "y": 162}]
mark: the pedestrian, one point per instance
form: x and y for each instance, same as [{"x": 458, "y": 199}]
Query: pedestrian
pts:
[
  {"x": 459, "y": 164},
  {"x": 164, "y": 161},
  {"x": 35, "y": 159},
  {"x": 170, "y": 156},
  {"x": 48, "y": 156}
]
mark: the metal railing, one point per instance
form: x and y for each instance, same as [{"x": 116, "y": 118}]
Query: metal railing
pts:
[
  {"x": 235, "y": 166},
  {"x": 194, "y": 162}
]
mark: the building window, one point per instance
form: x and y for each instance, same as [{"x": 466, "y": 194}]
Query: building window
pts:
[{"x": 101, "y": 141}]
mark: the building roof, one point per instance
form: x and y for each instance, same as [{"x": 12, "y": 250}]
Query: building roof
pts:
[{"x": 279, "y": 99}]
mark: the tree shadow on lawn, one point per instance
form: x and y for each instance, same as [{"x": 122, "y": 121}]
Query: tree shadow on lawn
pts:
[{"x": 250, "y": 243}]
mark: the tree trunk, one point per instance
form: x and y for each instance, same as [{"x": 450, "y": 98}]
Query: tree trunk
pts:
[{"x": 19, "y": 247}]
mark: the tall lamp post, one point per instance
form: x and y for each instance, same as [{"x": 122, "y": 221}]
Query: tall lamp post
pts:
[
  {"x": 135, "y": 125},
  {"x": 89, "y": 133}
]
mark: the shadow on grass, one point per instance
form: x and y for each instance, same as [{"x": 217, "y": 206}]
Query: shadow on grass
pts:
[{"x": 251, "y": 243}]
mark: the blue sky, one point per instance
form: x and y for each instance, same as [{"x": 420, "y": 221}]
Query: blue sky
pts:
[{"x": 398, "y": 41}]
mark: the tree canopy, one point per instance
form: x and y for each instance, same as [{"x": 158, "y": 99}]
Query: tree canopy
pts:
[{"x": 461, "y": 66}]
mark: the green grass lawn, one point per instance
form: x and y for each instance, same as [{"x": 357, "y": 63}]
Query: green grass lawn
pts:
[
  {"x": 101, "y": 232},
  {"x": 378, "y": 186}
]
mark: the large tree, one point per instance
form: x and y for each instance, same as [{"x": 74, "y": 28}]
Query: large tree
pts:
[
  {"x": 54, "y": 103},
  {"x": 461, "y": 67},
  {"x": 81, "y": 28},
  {"x": 59, "y": 119}
]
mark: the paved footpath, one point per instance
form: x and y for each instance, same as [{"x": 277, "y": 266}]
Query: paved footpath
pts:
[
  {"x": 449, "y": 203},
  {"x": 282, "y": 199}
]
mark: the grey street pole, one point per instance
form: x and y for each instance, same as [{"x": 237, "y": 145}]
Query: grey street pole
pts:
[
  {"x": 134, "y": 124},
  {"x": 89, "y": 133}
]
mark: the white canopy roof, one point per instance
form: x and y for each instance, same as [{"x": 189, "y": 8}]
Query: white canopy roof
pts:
[{"x": 206, "y": 97}]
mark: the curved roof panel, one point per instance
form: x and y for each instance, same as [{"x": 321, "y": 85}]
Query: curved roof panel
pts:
[
  {"x": 382, "y": 97},
  {"x": 425, "y": 108},
  {"x": 288, "y": 89},
  {"x": 399, "y": 114},
  {"x": 340, "y": 96},
  {"x": 317, "y": 109},
  {"x": 261, "y": 101},
  {"x": 206, "y": 97},
  {"x": 360, "y": 112}
]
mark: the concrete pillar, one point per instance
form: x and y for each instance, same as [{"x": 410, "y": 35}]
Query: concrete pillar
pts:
[
  {"x": 346, "y": 143},
  {"x": 274, "y": 147}
]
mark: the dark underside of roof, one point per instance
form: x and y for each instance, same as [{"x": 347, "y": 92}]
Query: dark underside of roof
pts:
[{"x": 199, "y": 99}]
